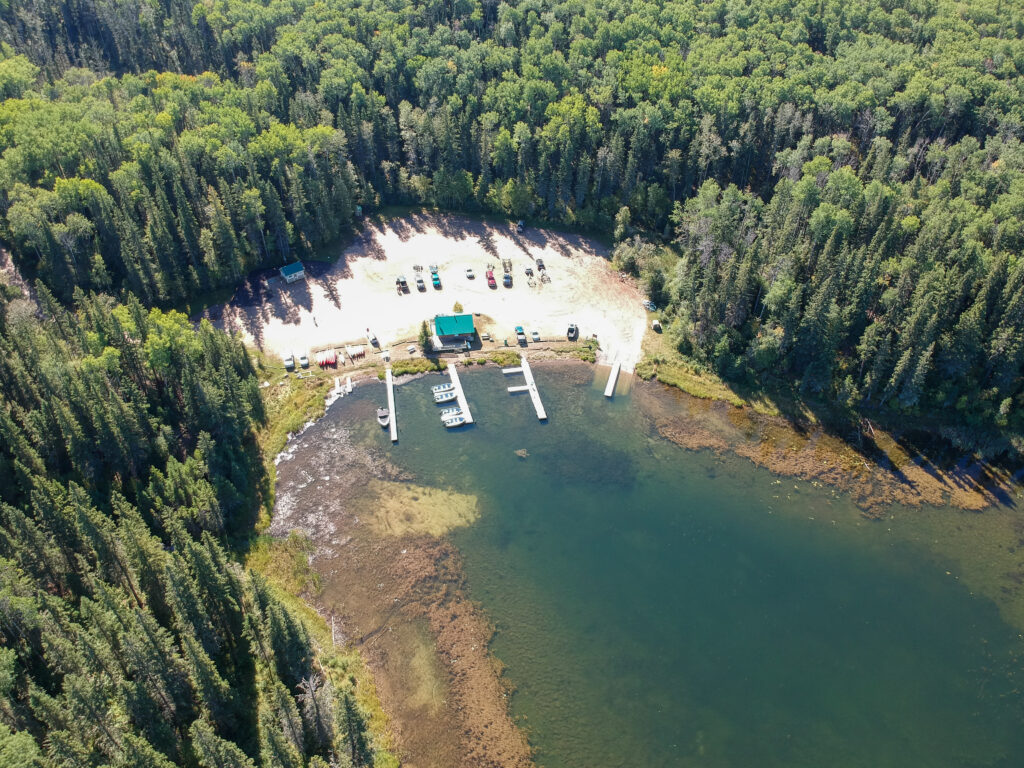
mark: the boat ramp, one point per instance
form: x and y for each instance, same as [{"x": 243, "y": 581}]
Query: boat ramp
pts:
[
  {"x": 530, "y": 386},
  {"x": 612, "y": 378}
]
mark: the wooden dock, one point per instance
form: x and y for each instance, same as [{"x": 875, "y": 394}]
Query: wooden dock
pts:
[
  {"x": 612, "y": 378},
  {"x": 393, "y": 421},
  {"x": 531, "y": 386},
  {"x": 460, "y": 395}
]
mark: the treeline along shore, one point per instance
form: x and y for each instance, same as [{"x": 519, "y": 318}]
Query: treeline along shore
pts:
[
  {"x": 821, "y": 198},
  {"x": 841, "y": 182}
]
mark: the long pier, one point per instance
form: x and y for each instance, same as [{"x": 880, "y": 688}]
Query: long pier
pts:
[
  {"x": 531, "y": 386},
  {"x": 459, "y": 393},
  {"x": 612, "y": 378},
  {"x": 393, "y": 421}
]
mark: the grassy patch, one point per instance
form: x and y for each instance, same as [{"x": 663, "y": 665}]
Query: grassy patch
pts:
[
  {"x": 290, "y": 403},
  {"x": 414, "y": 365},
  {"x": 587, "y": 350},
  {"x": 697, "y": 383},
  {"x": 285, "y": 562},
  {"x": 505, "y": 357}
]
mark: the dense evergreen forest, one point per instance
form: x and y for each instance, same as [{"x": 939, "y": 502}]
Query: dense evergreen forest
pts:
[
  {"x": 128, "y": 637},
  {"x": 842, "y": 181},
  {"x": 827, "y": 193}
]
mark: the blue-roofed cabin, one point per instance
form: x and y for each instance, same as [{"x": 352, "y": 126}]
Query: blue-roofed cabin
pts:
[{"x": 293, "y": 272}]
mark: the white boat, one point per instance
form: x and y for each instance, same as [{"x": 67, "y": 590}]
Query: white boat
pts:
[
  {"x": 447, "y": 413},
  {"x": 444, "y": 397},
  {"x": 455, "y": 421},
  {"x": 443, "y": 387},
  {"x": 383, "y": 417}
]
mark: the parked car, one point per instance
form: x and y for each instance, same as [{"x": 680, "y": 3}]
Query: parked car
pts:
[
  {"x": 289, "y": 363},
  {"x": 372, "y": 338},
  {"x": 491, "y": 282},
  {"x": 420, "y": 285},
  {"x": 435, "y": 278},
  {"x": 540, "y": 263},
  {"x": 403, "y": 286},
  {"x": 469, "y": 274},
  {"x": 529, "y": 271},
  {"x": 573, "y": 332},
  {"x": 507, "y": 280},
  {"x": 304, "y": 361},
  {"x": 520, "y": 225},
  {"x": 536, "y": 336},
  {"x": 520, "y": 335}
]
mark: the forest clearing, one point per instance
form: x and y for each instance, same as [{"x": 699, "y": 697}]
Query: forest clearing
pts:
[{"x": 336, "y": 304}]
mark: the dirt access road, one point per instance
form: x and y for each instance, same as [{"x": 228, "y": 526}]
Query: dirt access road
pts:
[{"x": 339, "y": 302}]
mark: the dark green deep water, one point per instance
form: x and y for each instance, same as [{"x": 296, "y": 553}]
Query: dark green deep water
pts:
[{"x": 658, "y": 607}]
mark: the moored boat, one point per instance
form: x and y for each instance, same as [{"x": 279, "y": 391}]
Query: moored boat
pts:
[
  {"x": 448, "y": 413},
  {"x": 455, "y": 421},
  {"x": 383, "y": 416},
  {"x": 448, "y": 387},
  {"x": 444, "y": 397}
]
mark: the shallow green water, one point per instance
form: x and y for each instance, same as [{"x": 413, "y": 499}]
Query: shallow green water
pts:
[{"x": 657, "y": 607}]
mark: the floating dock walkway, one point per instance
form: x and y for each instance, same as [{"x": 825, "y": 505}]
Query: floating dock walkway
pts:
[
  {"x": 531, "y": 386},
  {"x": 393, "y": 421},
  {"x": 459, "y": 393},
  {"x": 612, "y": 378}
]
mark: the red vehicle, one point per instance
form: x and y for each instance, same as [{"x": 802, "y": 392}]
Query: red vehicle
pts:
[{"x": 491, "y": 282}]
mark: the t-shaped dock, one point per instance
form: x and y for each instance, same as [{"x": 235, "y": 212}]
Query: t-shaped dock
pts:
[{"x": 531, "y": 386}]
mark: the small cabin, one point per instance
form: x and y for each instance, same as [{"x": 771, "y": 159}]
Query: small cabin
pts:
[
  {"x": 453, "y": 332},
  {"x": 293, "y": 272}
]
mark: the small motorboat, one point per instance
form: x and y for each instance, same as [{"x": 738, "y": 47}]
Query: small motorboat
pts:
[
  {"x": 383, "y": 416},
  {"x": 444, "y": 397},
  {"x": 455, "y": 421},
  {"x": 448, "y": 413},
  {"x": 443, "y": 387}
]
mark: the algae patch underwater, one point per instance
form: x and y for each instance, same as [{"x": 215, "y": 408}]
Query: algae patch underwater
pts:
[{"x": 407, "y": 509}]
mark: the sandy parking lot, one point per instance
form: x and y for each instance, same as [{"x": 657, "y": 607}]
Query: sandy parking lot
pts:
[{"x": 339, "y": 302}]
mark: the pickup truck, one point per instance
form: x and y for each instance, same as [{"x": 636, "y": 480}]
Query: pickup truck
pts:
[
  {"x": 490, "y": 279},
  {"x": 520, "y": 335}
]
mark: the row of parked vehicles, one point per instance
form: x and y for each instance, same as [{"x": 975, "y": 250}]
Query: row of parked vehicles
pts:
[
  {"x": 571, "y": 334},
  {"x": 435, "y": 277}
]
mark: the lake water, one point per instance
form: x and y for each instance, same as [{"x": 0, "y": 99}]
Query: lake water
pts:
[{"x": 658, "y": 607}]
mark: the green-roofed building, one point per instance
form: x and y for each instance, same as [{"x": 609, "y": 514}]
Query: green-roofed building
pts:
[
  {"x": 293, "y": 272},
  {"x": 453, "y": 332}
]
